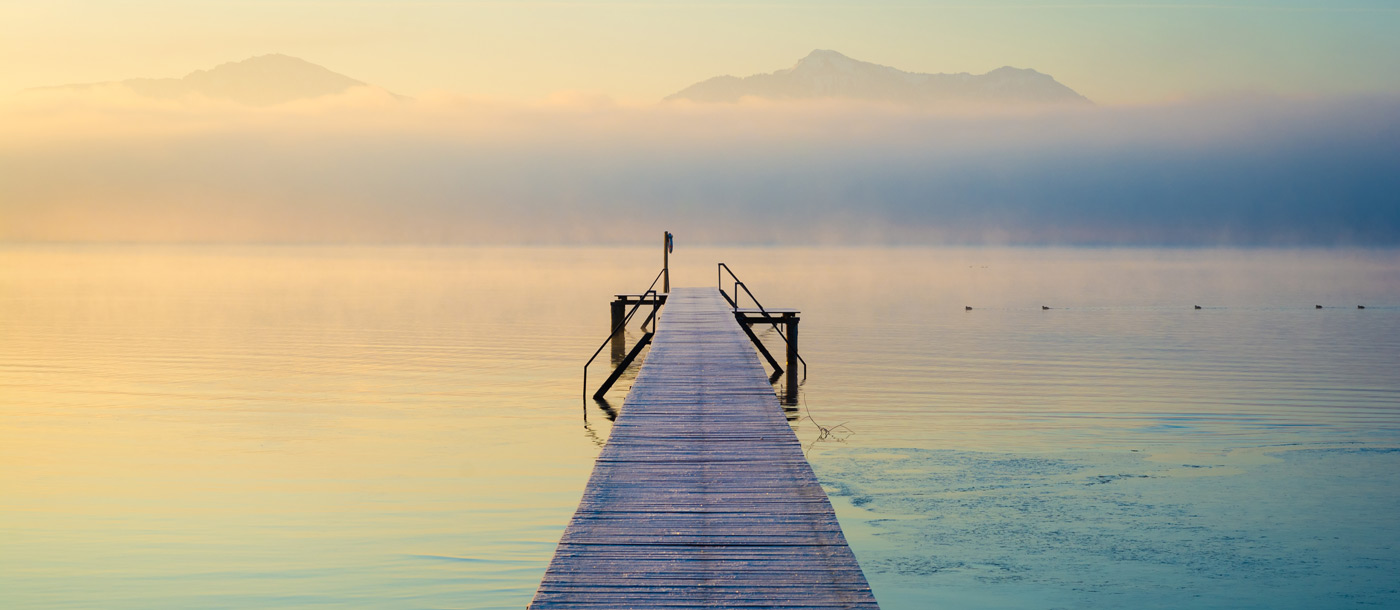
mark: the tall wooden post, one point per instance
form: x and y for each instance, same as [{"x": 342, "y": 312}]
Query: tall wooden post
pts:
[
  {"x": 666, "y": 263},
  {"x": 792, "y": 358},
  {"x": 619, "y": 338}
]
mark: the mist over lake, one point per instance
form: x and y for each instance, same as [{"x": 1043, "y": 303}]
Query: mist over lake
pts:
[{"x": 368, "y": 168}]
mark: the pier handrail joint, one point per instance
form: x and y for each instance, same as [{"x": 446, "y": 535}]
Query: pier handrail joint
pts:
[
  {"x": 733, "y": 303},
  {"x": 650, "y": 291}
]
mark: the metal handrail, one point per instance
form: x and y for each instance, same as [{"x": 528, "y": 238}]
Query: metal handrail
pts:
[
  {"x": 651, "y": 290},
  {"x": 719, "y": 281}
]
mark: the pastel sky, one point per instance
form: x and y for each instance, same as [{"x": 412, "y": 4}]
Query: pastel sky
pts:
[
  {"x": 1268, "y": 123},
  {"x": 1112, "y": 52}
]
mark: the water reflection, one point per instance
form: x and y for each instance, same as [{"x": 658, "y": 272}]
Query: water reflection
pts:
[
  {"x": 592, "y": 434},
  {"x": 607, "y": 408}
]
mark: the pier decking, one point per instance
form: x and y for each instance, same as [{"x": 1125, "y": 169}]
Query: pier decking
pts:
[{"x": 702, "y": 497}]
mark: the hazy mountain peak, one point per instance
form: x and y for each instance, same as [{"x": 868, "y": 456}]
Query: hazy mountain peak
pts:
[
  {"x": 272, "y": 64},
  {"x": 263, "y": 80},
  {"x": 821, "y": 60},
  {"x": 829, "y": 74},
  {"x": 824, "y": 55}
]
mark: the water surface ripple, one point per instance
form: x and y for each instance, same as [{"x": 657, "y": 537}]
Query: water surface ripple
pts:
[{"x": 392, "y": 427}]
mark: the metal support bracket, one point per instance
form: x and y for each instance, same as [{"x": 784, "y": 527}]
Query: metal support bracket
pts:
[
  {"x": 622, "y": 366},
  {"x": 773, "y": 362}
]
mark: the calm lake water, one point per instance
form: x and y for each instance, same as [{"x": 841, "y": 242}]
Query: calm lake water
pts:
[{"x": 394, "y": 427}]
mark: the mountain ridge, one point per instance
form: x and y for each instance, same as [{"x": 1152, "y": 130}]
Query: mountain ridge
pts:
[
  {"x": 262, "y": 80},
  {"x": 829, "y": 74}
]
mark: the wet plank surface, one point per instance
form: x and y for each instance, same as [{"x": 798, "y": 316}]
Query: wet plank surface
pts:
[{"x": 702, "y": 497}]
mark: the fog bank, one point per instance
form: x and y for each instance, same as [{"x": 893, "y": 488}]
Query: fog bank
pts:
[{"x": 368, "y": 168}]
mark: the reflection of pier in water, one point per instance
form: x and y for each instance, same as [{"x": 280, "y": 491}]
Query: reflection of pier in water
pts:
[{"x": 702, "y": 496}]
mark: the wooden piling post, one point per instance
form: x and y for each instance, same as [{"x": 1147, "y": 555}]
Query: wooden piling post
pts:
[
  {"x": 792, "y": 356},
  {"x": 619, "y": 338},
  {"x": 666, "y": 262}
]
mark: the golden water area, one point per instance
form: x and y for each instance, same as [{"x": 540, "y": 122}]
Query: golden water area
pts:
[{"x": 402, "y": 427}]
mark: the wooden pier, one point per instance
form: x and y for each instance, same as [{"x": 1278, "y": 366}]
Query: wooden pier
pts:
[{"x": 702, "y": 497}]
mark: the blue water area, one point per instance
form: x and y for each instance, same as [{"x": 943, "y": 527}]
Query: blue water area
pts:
[{"x": 1303, "y": 528}]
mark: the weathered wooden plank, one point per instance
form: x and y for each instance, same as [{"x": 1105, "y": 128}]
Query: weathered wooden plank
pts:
[{"x": 702, "y": 497}]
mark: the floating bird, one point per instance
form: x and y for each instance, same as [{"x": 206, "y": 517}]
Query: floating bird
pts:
[
  {"x": 967, "y": 308},
  {"x": 1197, "y": 306},
  {"x": 1361, "y": 307},
  {"x": 1043, "y": 307},
  {"x": 1317, "y": 307}
]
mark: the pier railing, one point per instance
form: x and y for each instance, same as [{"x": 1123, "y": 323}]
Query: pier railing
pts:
[
  {"x": 617, "y": 328},
  {"x": 722, "y": 269}
]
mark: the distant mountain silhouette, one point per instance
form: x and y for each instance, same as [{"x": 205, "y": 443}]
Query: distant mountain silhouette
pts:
[
  {"x": 259, "y": 81},
  {"x": 828, "y": 74}
]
